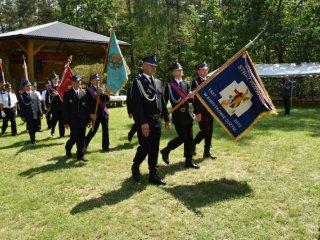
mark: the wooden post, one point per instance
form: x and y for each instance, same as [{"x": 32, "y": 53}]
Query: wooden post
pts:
[{"x": 30, "y": 59}]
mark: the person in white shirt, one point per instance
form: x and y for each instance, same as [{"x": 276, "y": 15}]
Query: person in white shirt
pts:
[{"x": 8, "y": 108}]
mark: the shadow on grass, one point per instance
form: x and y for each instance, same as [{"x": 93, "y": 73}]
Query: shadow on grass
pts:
[
  {"x": 192, "y": 196},
  {"x": 128, "y": 188},
  {"x": 27, "y": 145},
  {"x": 36, "y": 146},
  {"x": 209, "y": 192},
  {"x": 60, "y": 164}
]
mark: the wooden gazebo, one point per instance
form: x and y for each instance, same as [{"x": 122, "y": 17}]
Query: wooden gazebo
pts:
[{"x": 47, "y": 48}]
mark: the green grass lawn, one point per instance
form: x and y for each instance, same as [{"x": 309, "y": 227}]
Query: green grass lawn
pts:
[{"x": 265, "y": 186}]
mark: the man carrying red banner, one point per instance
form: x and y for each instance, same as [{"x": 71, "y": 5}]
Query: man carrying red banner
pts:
[
  {"x": 55, "y": 105},
  {"x": 102, "y": 114},
  {"x": 176, "y": 90}
]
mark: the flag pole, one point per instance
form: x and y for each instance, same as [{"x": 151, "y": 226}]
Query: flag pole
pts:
[
  {"x": 2, "y": 73},
  {"x": 63, "y": 74},
  {"x": 105, "y": 64},
  {"x": 220, "y": 69}
]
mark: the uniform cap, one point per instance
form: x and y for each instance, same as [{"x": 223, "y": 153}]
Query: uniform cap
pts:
[
  {"x": 95, "y": 77},
  {"x": 176, "y": 66},
  {"x": 152, "y": 60},
  {"x": 8, "y": 85},
  {"x": 27, "y": 83},
  {"x": 202, "y": 65},
  {"x": 54, "y": 76},
  {"x": 76, "y": 78}
]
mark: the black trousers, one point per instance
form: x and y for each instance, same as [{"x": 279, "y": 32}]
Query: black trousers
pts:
[
  {"x": 105, "y": 132},
  {"x": 185, "y": 136},
  {"x": 77, "y": 135},
  {"x": 33, "y": 127},
  {"x": 57, "y": 116},
  {"x": 10, "y": 116},
  {"x": 148, "y": 146},
  {"x": 287, "y": 104},
  {"x": 206, "y": 130},
  {"x": 133, "y": 130},
  {"x": 48, "y": 119}
]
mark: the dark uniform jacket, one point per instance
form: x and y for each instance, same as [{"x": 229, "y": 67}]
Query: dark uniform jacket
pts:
[
  {"x": 183, "y": 114},
  {"x": 30, "y": 106},
  {"x": 75, "y": 109},
  {"x": 147, "y": 102},
  {"x": 92, "y": 101},
  {"x": 197, "y": 105},
  {"x": 54, "y": 102}
]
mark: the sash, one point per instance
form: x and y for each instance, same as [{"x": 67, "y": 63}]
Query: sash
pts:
[
  {"x": 54, "y": 91},
  {"x": 178, "y": 90},
  {"x": 102, "y": 105}
]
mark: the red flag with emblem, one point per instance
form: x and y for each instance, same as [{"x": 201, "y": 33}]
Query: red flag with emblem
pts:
[{"x": 65, "y": 81}]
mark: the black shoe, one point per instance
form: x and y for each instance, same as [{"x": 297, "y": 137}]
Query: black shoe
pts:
[
  {"x": 83, "y": 159},
  {"x": 135, "y": 173},
  {"x": 33, "y": 142},
  {"x": 14, "y": 134},
  {"x": 106, "y": 149},
  {"x": 209, "y": 155},
  {"x": 68, "y": 154},
  {"x": 165, "y": 156},
  {"x": 52, "y": 134},
  {"x": 191, "y": 164},
  {"x": 155, "y": 179},
  {"x": 129, "y": 137}
]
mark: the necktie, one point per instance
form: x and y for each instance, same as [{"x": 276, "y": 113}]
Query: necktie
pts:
[{"x": 9, "y": 100}]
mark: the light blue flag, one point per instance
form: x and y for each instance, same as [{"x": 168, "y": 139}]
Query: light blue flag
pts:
[{"x": 116, "y": 67}]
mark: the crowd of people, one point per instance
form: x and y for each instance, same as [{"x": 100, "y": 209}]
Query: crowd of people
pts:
[{"x": 147, "y": 100}]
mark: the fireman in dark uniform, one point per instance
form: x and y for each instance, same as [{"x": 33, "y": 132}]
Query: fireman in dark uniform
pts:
[
  {"x": 203, "y": 116},
  {"x": 102, "y": 115},
  {"x": 182, "y": 118},
  {"x": 55, "y": 106},
  {"x": 30, "y": 110},
  {"x": 76, "y": 116},
  {"x": 148, "y": 109}
]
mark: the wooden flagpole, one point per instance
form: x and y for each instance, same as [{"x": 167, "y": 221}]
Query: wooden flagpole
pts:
[
  {"x": 227, "y": 63},
  {"x": 105, "y": 64}
]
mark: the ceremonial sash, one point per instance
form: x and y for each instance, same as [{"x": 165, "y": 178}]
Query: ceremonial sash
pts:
[
  {"x": 54, "y": 91},
  {"x": 102, "y": 105},
  {"x": 178, "y": 90}
]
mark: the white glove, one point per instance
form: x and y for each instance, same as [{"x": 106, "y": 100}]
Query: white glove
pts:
[
  {"x": 16, "y": 113},
  {"x": 3, "y": 114}
]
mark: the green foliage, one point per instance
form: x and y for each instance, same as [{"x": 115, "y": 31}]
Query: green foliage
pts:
[{"x": 188, "y": 31}]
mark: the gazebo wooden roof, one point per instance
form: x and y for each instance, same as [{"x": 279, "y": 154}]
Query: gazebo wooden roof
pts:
[{"x": 55, "y": 37}]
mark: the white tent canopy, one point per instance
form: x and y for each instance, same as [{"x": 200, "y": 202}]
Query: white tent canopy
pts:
[
  {"x": 279, "y": 70},
  {"x": 291, "y": 69}
]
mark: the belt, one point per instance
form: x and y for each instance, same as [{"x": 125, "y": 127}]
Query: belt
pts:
[{"x": 154, "y": 116}]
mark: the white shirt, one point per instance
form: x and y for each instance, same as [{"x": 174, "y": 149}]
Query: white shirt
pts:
[
  {"x": 4, "y": 99},
  {"x": 178, "y": 81},
  {"x": 43, "y": 95},
  {"x": 147, "y": 76},
  {"x": 77, "y": 91},
  {"x": 39, "y": 95}
]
